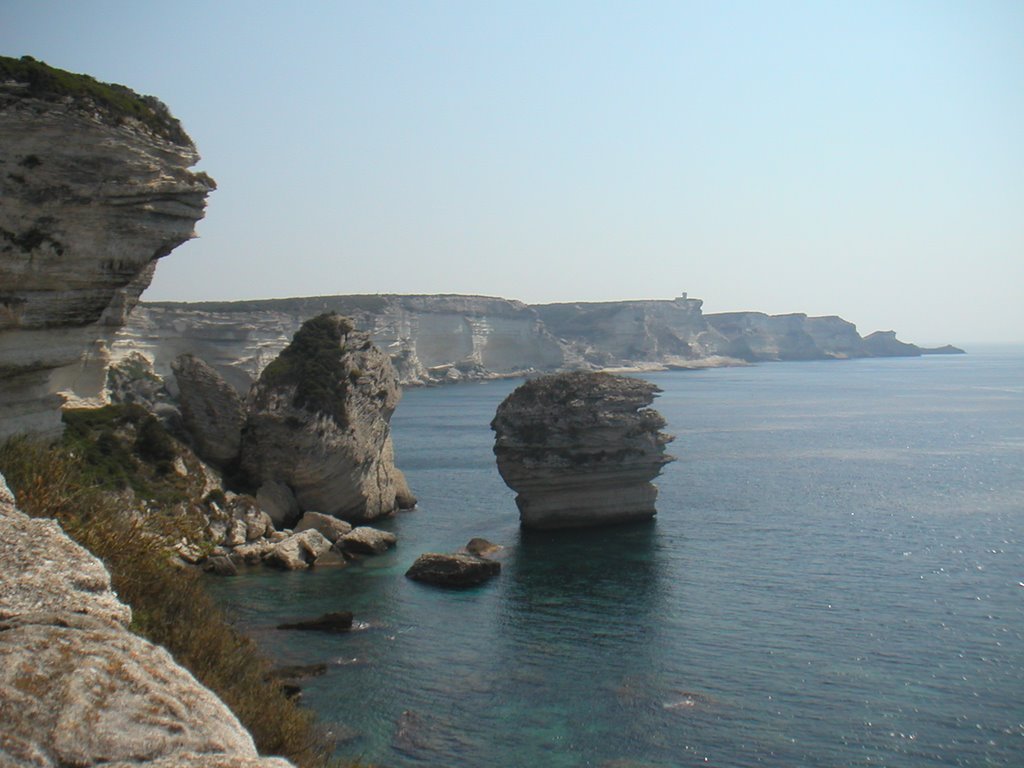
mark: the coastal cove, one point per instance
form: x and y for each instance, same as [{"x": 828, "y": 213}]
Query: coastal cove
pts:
[{"x": 833, "y": 578}]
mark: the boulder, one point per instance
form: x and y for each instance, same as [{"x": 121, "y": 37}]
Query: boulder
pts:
[
  {"x": 318, "y": 423},
  {"x": 298, "y": 551},
  {"x": 220, "y": 565},
  {"x": 366, "y": 541},
  {"x": 278, "y": 501},
  {"x": 581, "y": 449},
  {"x": 212, "y": 411},
  {"x": 481, "y": 547},
  {"x": 76, "y": 687},
  {"x": 330, "y": 622},
  {"x": 453, "y": 570},
  {"x": 252, "y": 552},
  {"x": 331, "y": 527}
]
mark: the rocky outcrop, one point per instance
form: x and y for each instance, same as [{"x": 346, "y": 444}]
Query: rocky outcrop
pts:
[
  {"x": 453, "y": 570},
  {"x": 318, "y": 425},
  {"x": 581, "y": 449},
  {"x": 96, "y": 188},
  {"x": 211, "y": 409},
  {"x": 76, "y": 687}
]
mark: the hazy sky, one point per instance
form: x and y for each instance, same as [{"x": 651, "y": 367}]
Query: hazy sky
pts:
[{"x": 857, "y": 158}]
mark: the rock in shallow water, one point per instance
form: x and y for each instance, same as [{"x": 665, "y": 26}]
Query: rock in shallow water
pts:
[
  {"x": 453, "y": 570},
  {"x": 581, "y": 449}
]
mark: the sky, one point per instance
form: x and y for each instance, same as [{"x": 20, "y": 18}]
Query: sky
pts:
[{"x": 864, "y": 159}]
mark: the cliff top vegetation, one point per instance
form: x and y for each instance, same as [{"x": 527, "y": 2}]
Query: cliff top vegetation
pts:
[
  {"x": 70, "y": 482},
  {"x": 115, "y": 102},
  {"x": 312, "y": 364}
]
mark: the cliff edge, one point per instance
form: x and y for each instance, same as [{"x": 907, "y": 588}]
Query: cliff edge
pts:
[
  {"x": 76, "y": 687},
  {"x": 96, "y": 188}
]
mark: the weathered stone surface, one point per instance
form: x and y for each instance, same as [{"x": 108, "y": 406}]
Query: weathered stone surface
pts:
[
  {"x": 251, "y": 553},
  {"x": 481, "y": 547},
  {"x": 581, "y": 449},
  {"x": 279, "y": 502},
  {"x": 319, "y": 423},
  {"x": 90, "y": 201},
  {"x": 331, "y": 527},
  {"x": 298, "y": 551},
  {"x": 44, "y": 571},
  {"x": 453, "y": 570},
  {"x": 78, "y": 689},
  {"x": 84, "y": 692},
  {"x": 212, "y": 411},
  {"x": 367, "y": 541},
  {"x": 443, "y": 338},
  {"x": 340, "y": 621}
]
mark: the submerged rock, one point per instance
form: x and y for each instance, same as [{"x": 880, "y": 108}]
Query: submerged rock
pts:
[
  {"x": 581, "y": 449},
  {"x": 453, "y": 570},
  {"x": 318, "y": 425},
  {"x": 340, "y": 621}
]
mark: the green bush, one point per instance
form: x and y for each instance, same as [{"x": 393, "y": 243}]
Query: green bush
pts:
[
  {"x": 116, "y": 102},
  {"x": 312, "y": 364}
]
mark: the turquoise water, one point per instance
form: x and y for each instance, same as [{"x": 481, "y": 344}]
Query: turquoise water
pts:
[{"x": 835, "y": 578}]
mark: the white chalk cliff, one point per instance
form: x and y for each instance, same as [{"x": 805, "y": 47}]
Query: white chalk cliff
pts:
[{"x": 93, "y": 195}]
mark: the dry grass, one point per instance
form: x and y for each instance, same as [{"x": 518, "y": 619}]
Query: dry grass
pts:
[{"x": 169, "y": 605}]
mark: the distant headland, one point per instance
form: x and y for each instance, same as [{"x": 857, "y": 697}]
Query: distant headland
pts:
[{"x": 445, "y": 338}]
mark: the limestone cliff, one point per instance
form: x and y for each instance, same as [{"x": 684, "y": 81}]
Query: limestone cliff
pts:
[
  {"x": 443, "y": 338},
  {"x": 429, "y": 339},
  {"x": 317, "y": 436},
  {"x": 96, "y": 188},
  {"x": 581, "y": 449},
  {"x": 76, "y": 687}
]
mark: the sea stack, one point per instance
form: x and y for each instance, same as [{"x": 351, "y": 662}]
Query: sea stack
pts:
[
  {"x": 581, "y": 449},
  {"x": 318, "y": 432}
]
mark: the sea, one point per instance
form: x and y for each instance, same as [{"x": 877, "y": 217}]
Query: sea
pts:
[{"x": 835, "y": 577}]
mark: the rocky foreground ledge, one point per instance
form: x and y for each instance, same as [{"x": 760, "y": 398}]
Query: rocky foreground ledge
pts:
[
  {"x": 76, "y": 687},
  {"x": 581, "y": 449}
]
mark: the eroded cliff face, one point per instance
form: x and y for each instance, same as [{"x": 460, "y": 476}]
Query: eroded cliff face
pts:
[
  {"x": 429, "y": 339},
  {"x": 92, "y": 197},
  {"x": 317, "y": 434},
  {"x": 443, "y": 338},
  {"x": 581, "y": 449}
]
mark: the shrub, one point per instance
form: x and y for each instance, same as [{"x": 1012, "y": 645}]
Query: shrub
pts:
[
  {"x": 312, "y": 364},
  {"x": 115, "y": 102},
  {"x": 169, "y": 605}
]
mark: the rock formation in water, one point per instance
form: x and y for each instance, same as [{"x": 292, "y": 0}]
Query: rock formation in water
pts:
[
  {"x": 438, "y": 339},
  {"x": 581, "y": 449},
  {"x": 212, "y": 411},
  {"x": 318, "y": 427},
  {"x": 95, "y": 186},
  {"x": 76, "y": 687}
]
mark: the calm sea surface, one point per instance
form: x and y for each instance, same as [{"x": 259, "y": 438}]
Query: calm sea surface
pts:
[{"x": 835, "y": 578}]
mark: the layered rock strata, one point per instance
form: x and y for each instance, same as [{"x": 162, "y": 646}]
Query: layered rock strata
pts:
[
  {"x": 318, "y": 432},
  {"x": 96, "y": 188},
  {"x": 212, "y": 411},
  {"x": 439, "y": 339},
  {"x": 581, "y": 449},
  {"x": 76, "y": 687}
]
